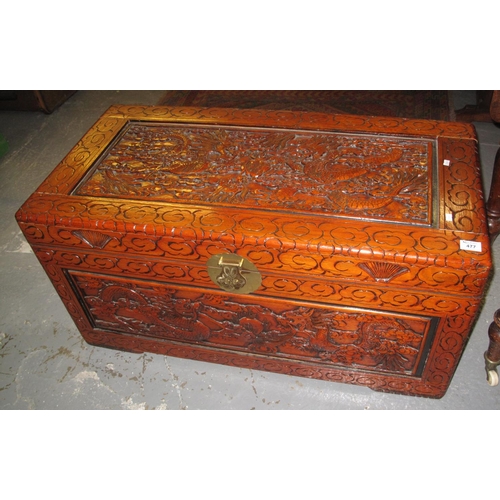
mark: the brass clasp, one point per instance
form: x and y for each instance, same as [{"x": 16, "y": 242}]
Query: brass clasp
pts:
[{"x": 233, "y": 273}]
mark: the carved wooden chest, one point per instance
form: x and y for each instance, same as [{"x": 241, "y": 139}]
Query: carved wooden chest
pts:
[{"x": 344, "y": 248}]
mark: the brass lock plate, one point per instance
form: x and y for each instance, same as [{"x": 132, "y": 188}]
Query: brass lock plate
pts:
[{"x": 233, "y": 273}]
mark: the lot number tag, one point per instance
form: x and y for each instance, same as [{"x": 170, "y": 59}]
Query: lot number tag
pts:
[{"x": 471, "y": 246}]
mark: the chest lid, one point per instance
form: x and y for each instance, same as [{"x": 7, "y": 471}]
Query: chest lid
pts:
[
  {"x": 376, "y": 188},
  {"x": 338, "y": 174}
]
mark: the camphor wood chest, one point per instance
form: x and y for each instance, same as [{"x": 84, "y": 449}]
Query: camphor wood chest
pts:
[{"x": 344, "y": 248}]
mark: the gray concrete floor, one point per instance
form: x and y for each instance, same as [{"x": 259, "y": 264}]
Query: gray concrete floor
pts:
[{"x": 46, "y": 365}]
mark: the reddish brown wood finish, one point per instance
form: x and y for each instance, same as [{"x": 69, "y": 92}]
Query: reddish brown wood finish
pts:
[{"x": 360, "y": 227}]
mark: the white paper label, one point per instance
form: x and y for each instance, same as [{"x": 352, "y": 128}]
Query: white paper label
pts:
[
  {"x": 449, "y": 217},
  {"x": 446, "y": 163},
  {"x": 471, "y": 246}
]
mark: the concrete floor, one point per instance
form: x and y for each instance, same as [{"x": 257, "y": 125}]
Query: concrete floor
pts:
[{"x": 45, "y": 364}]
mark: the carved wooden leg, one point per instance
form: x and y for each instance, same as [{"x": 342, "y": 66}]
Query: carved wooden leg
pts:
[
  {"x": 493, "y": 205},
  {"x": 492, "y": 355}
]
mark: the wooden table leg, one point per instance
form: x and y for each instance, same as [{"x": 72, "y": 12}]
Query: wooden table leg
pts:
[
  {"x": 492, "y": 355},
  {"x": 493, "y": 204}
]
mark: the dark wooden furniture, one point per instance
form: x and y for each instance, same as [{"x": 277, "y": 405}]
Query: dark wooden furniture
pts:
[
  {"x": 33, "y": 100},
  {"x": 338, "y": 247},
  {"x": 492, "y": 355},
  {"x": 493, "y": 204},
  {"x": 479, "y": 112}
]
